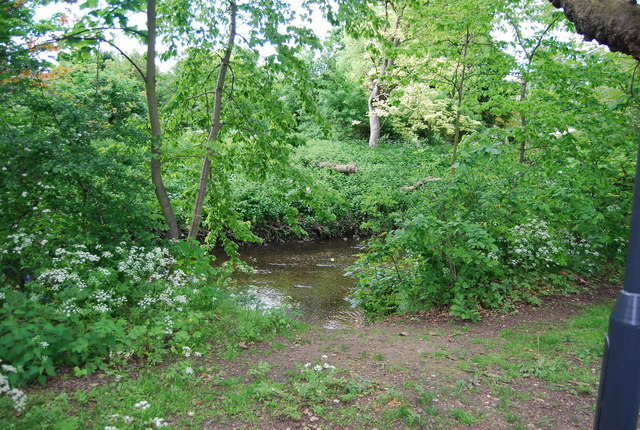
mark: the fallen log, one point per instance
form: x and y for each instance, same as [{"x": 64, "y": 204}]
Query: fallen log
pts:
[
  {"x": 342, "y": 168},
  {"x": 420, "y": 183}
]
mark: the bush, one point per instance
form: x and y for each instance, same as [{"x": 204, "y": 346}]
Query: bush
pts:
[
  {"x": 93, "y": 305},
  {"x": 323, "y": 203},
  {"x": 483, "y": 240}
]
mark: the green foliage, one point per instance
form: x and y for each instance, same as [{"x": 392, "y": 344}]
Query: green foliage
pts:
[
  {"x": 93, "y": 305},
  {"x": 491, "y": 236},
  {"x": 72, "y": 149},
  {"x": 498, "y": 231},
  {"x": 320, "y": 202}
]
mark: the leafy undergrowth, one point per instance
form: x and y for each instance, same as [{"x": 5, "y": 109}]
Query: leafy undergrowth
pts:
[
  {"x": 537, "y": 367},
  {"x": 325, "y": 203}
]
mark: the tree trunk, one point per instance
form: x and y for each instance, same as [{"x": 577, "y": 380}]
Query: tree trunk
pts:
[
  {"x": 374, "y": 118},
  {"x": 523, "y": 122},
  {"x": 460, "y": 91},
  {"x": 614, "y": 23},
  {"x": 376, "y": 91},
  {"x": 154, "y": 120},
  {"x": 215, "y": 126},
  {"x": 342, "y": 168},
  {"x": 523, "y": 88}
]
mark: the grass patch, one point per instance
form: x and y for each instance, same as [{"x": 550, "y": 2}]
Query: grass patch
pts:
[
  {"x": 564, "y": 356},
  {"x": 189, "y": 391}
]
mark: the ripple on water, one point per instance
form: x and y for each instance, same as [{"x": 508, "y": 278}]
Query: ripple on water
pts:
[{"x": 262, "y": 272}]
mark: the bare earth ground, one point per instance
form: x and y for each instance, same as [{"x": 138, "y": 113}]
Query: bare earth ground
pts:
[{"x": 426, "y": 350}]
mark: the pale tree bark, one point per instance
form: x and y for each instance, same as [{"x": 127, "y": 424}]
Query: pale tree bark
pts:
[
  {"x": 154, "y": 120},
  {"x": 523, "y": 121},
  {"x": 615, "y": 23},
  {"x": 215, "y": 124},
  {"x": 377, "y": 90}
]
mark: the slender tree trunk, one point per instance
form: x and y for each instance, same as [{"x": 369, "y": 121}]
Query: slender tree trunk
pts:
[
  {"x": 456, "y": 137},
  {"x": 523, "y": 122},
  {"x": 460, "y": 92},
  {"x": 215, "y": 126},
  {"x": 374, "y": 118},
  {"x": 154, "y": 120},
  {"x": 523, "y": 87},
  {"x": 376, "y": 91}
]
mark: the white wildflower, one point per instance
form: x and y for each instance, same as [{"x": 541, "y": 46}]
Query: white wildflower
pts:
[
  {"x": 9, "y": 368},
  {"x": 159, "y": 422},
  {"x": 143, "y": 404}
]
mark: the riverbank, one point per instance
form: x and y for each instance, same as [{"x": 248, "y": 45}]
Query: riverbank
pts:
[
  {"x": 534, "y": 369},
  {"x": 321, "y": 203}
]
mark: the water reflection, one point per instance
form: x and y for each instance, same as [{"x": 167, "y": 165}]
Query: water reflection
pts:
[{"x": 308, "y": 275}]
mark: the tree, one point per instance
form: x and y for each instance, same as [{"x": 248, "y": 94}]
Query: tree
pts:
[
  {"x": 95, "y": 27},
  {"x": 449, "y": 48},
  {"x": 154, "y": 121},
  {"x": 266, "y": 23},
  {"x": 216, "y": 123},
  {"x": 616, "y": 24},
  {"x": 533, "y": 15},
  {"x": 391, "y": 40}
]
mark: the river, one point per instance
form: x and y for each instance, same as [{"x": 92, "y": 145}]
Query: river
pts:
[{"x": 307, "y": 275}]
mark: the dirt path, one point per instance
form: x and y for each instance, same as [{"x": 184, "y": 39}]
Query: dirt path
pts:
[{"x": 423, "y": 373}]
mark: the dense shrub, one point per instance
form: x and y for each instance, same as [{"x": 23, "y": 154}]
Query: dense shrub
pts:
[
  {"x": 325, "y": 203},
  {"x": 490, "y": 236}
]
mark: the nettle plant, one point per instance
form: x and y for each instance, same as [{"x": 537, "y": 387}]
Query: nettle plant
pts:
[{"x": 92, "y": 305}]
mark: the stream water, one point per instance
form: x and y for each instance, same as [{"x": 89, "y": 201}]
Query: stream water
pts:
[{"x": 309, "y": 276}]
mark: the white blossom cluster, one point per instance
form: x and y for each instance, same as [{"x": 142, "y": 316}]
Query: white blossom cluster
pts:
[
  {"x": 143, "y": 405},
  {"x": 17, "y": 396},
  {"x": 69, "y": 307},
  {"x": 172, "y": 296},
  {"x": 59, "y": 277},
  {"x": 105, "y": 301},
  {"x": 168, "y": 322},
  {"x": 320, "y": 367},
  {"x": 583, "y": 247},
  {"x": 20, "y": 241},
  {"x": 186, "y": 351},
  {"x": 77, "y": 256},
  {"x": 142, "y": 264},
  {"x": 127, "y": 419},
  {"x": 621, "y": 244},
  {"x": 533, "y": 244}
]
